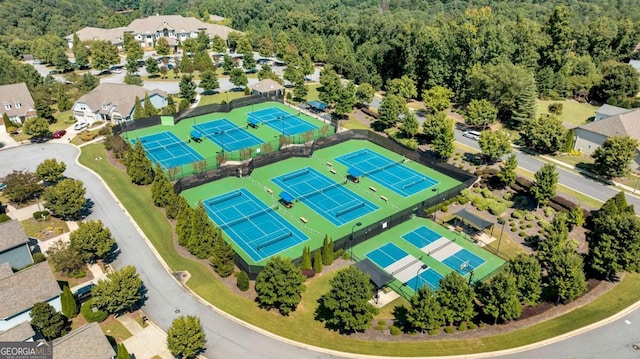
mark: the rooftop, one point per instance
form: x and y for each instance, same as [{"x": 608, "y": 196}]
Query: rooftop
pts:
[
  {"x": 121, "y": 95},
  {"x": 19, "y": 333},
  {"x": 624, "y": 124},
  {"x": 18, "y": 97},
  {"x": 5, "y": 270},
  {"x": 87, "y": 342},
  {"x": 609, "y": 110},
  {"x": 20, "y": 291},
  {"x": 11, "y": 235},
  {"x": 267, "y": 85}
]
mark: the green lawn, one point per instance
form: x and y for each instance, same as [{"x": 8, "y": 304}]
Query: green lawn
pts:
[
  {"x": 300, "y": 325},
  {"x": 35, "y": 228},
  {"x": 219, "y": 97},
  {"x": 573, "y": 112},
  {"x": 113, "y": 328},
  {"x": 313, "y": 92},
  {"x": 352, "y": 123}
]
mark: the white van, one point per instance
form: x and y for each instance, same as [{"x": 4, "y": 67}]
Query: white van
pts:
[{"x": 474, "y": 135}]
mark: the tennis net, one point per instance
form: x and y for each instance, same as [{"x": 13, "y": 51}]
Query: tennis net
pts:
[
  {"x": 163, "y": 147},
  {"x": 247, "y": 217},
  {"x": 275, "y": 119},
  {"x": 382, "y": 168},
  {"x": 296, "y": 174},
  {"x": 349, "y": 209},
  {"x": 224, "y": 198},
  {"x": 212, "y": 132},
  {"x": 276, "y": 239},
  {"x": 321, "y": 190}
]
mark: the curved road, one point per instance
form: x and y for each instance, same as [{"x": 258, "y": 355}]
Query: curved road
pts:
[{"x": 226, "y": 338}]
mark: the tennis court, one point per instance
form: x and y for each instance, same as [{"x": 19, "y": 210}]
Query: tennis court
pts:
[
  {"x": 167, "y": 149},
  {"x": 404, "y": 267},
  {"x": 287, "y": 123},
  {"x": 444, "y": 250},
  {"x": 255, "y": 227},
  {"x": 330, "y": 199},
  {"x": 391, "y": 174},
  {"x": 227, "y": 135}
]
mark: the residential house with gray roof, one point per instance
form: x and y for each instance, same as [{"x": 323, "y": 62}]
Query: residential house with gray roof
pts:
[
  {"x": 16, "y": 102},
  {"x": 606, "y": 110},
  {"x": 14, "y": 245},
  {"x": 22, "y": 332},
  {"x": 267, "y": 87},
  {"x": 21, "y": 290},
  {"x": 86, "y": 342},
  {"x": 111, "y": 102}
]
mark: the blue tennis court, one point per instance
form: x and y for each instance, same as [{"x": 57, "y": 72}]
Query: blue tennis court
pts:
[
  {"x": 463, "y": 258},
  {"x": 255, "y": 227},
  {"x": 421, "y": 237},
  {"x": 328, "y": 198},
  {"x": 227, "y": 135},
  {"x": 391, "y": 174},
  {"x": 287, "y": 123},
  {"x": 428, "y": 276},
  {"x": 167, "y": 149},
  {"x": 404, "y": 267},
  {"x": 386, "y": 255}
]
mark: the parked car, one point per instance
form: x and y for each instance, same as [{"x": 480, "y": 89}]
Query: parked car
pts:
[
  {"x": 59, "y": 133},
  {"x": 54, "y": 72},
  {"x": 474, "y": 135},
  {"x": 3, "y": 186},
  {"x": 80, "y": 125},
  {"x": 39, "y": 139},
  {"x": 83, "y": 294}
]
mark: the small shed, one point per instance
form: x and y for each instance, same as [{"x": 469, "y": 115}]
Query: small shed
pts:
[
  {"x": 317, "y": 106},
  {"x": 286, "y": 199},
  {"x": 267, "y": 87}
]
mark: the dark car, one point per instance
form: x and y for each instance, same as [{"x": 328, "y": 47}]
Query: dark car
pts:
[
  {"x": 39, "y": 139},
  {"x": 59, "y": 133},
  {"x": 84, "y": 293}
]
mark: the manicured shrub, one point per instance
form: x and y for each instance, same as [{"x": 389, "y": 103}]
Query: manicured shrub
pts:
[
  {"x": 434, "y": 331},
  {"x": 529, "y": 225},
  {"x": 472, "y": 326},
  {"x": 529, "y": 217},
  {"x": 242, "y": 281},
  {"x": 445, "y": 209},
  {"x": 513, "y": 229},
  {"x": 68, "y": 302},
  {"x": 449, "y": 330},
  {"x": 38, "y": 258},
  {"x": 38, "y": 215},
  {"x": 517, "y": 214},
  {"x": 90, "y": 315},
  {"x": 548, "y": 211},
  {"x": 382, "y": 322},
  {"x": 522, "y": 234},
  {"x": 394, "y": 330},
  {"x": 462, "y": 327},
  {"x": 522, "y": 226},
  {"x": 308, "y": 273}
]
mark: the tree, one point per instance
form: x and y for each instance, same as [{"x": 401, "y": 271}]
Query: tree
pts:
[
  {"x": 187, "y": 88},
  {"x": 266, "y": 73},
  {"x": 218, "y": 45},
  {"x": 391, "y": 107},
  {"x": 330, "y": 87},
  {"x": 152, "y": 67},
  {"x": 545, "y": 135},
  {"x": 364, "y": 93},
  {"x": 223, "y": 257},
  {"x": 139, "y": 167},
  {"x": 346, "y": 99},
  {"x": 138, "y": 110},
  {"x": 132, "y": 47},
  {"x": 80, "y": 52},
  {"x": 494, "y": 144},
  {"x": 161, "y": 189},
  {"x": 185, "y": 338},
  {"x": 527, "y": 272},
  {"x": 425, "y": 312},
  {"x": 209, "y": 81},
  {"x": 614, "y": 157},
  {"x": 60, "y": 60},
  {"x": 410, "y": 125},
  {"x": 162, "y": 46},
  {"x": 121, "y": 291},
  {"x": 439, "y": 129},
  {"x": 88, "y": 82},
  {"x": 48, "y": 321},
  {"x": 280, "y": 285},
  {"x": 36, "y": 126},
  {"x": 68, "y": 302},
  {"x": 566, "y": 274},
  {"x": 544, "y": 184},
  {"x": 148, "y": 107},
  {"x": 300, "y": 90},
  {"x": 456, "y": 299},
  {"x": 92, "y": 240},
  {"x": 499, "y": 297},
  {"x": 480, "y": 113},
  {"x": 238, "y": 77},
  {"x": 437, "y": 98},
  {"x": 244, "y": 45},
  {"x": 62, "y": 100},
  {"x": 317, "y": 261},
  {"x": 507, "y": 172},
  {"x": 619, "y": 81},
  {"x": 202, "y": 61},
  {"x": 186, "y": 65},
  {"x": 404, "y": 87},
  {"x": 103, "y": 54},
  {"x": 327, "y": 251},
  {"x": 66, "y": 199},
  {"x": 21, "y": 186},
  {"x": 248, "y": 62},
  {"x": 265, "y": 48},
  {"x": 64, "y": 258},
  {"x": 346, "y": 306},
  {"x": 524, "y": 109},
  {"x": 203, "y": 233},
  {"x": 123, "y": 353},
  {"x": 227, "y": 64},
  {"x": 43, "y": 110},
  {"x": 305, "y": 262}
]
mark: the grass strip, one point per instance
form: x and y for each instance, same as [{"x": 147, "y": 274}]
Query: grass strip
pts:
[{"x": 300, "y": 325}]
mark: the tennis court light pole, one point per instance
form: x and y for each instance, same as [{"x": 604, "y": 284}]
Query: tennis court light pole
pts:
[
  {"x": 437, "y": 201},
  {"x": 422, "y": 267},
  {"x": 358, "y": 224}
]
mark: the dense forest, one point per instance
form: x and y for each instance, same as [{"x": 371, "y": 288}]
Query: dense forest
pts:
[{"x": 567, "y": 47}]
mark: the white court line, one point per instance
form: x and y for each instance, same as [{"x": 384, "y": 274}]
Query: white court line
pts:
[
  {"x": 409, "y": 273},
  {"x": 399, "y": 263},
  {"x": 446, "y": 252}
]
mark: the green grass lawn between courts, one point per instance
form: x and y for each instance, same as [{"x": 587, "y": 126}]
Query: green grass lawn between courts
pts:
[
  {"x": 263, "y": 175},
  {"x": 300, "y": 325},
  {"x": 219, "y": 97},
  {"x": 573, "y": 112}
]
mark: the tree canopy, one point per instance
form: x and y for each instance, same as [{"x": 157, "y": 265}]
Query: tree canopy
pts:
[
  {"x": 280, "y": 285},
  {"x": 66, "y": 199},
  {"x": 614, "y": 157},
  {"x": 185, "y": 338}
]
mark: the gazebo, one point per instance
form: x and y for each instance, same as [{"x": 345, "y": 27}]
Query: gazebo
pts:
[
  {"x": 465, "y": 217},
  {"x": 267, "y": 87},
  {"x": 378, "y": 277}
]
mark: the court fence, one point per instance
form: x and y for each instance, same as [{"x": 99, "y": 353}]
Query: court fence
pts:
[{"x": 361, "y": 233}]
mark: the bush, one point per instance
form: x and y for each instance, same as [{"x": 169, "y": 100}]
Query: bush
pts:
[
  {"x": 482, "y": 324},
  {"x": 78, "y": 274},
  {"x": 106, "y": 130},
  {"x": 513, "y": 229},
  {"x": 449, "y": 330},
  {"x": 529, "y": 225},
  {"x": 517, "y": 214},
  {"x": 4, "y": 218},
  {"x": 338, "y": 253},
  {"x": 308, "y": 273},
  {"x": 434, "y": 331},
  {"x": 472, "y": 326},
  {"x": 242, "y": 281},
  {"x": 380, "y": 327},
  {"x": 38, "y": 215},
  {"x": 548, "y": 211},
  {"x": 522, "y": 234},
  {"x": 382, "y": 322},
  {"x": 529, "y": 217},
  {"x": 394, "y": 330},
  {"x": 38, "y": 258},
  {"x": 462, "y": 327},
  {"x": 88, "y": 135},
  {"x": 445, "y": 208},
  {"x": 91, "y": 316},
  {"x": 522, "y": 226}
]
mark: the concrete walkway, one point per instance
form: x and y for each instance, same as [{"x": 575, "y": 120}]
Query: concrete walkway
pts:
[{"x": 145, "y": 343}]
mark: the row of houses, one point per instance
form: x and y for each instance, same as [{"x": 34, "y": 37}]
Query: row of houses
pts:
[
  {"x": 174, "y": 28},
  {"x": 22, "y": 284}
]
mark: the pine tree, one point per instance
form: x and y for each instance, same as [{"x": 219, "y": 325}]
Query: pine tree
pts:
[
  {"x": 544, "y": 185},
  {"x": 525, "y": 103},
  {"x": 139, "y": 167},
  {"x": 183, "y": 225},
  {"x": 223, "y": 256},
  {"x": 507, "y": 173},
  {"x": 138, "y": 111},
  {"x": 68, "y": 301},
  {"x": 148, "y": 108},
  {"x": 203, "y": 233},
  {"x": 242, "y": 281},
  {"x": 327, "y": 251},
  {"x": 161, "y": 189},
  {"x": 317, "y": 261},
  {"x": 123, "y": 353},
  {"x": 305, "y": 263}
]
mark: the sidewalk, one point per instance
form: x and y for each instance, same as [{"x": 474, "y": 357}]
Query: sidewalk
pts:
[{"x": 145, "y": 343}]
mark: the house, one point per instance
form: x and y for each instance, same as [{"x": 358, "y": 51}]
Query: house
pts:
[
  {"x": 114, "y": 103},
  {"x": 14, "y": 245},
  {"x": 607, "y": 110},
  {"x": 87, "y": 342},
  {"x": 21, "y": 290},
  {"x": 16, "y": 102},
  {"x": 267, "y": 87},
  {"x": 22, "y": 332},
  {"x": 592, "y": 135},
  {"x": 175, "y": 28}
]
